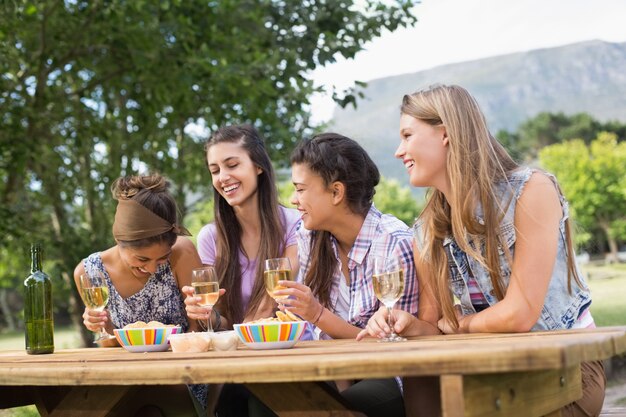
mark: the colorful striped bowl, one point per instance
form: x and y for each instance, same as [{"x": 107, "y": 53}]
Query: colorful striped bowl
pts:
[
  {"x": 270, "y": 335},
  {"x": 146, "y": 339}
]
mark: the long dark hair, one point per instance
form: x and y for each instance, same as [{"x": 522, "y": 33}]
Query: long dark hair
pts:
[
  {"x": 335, "y": 158},
  {"x": 229, "y": 231}
]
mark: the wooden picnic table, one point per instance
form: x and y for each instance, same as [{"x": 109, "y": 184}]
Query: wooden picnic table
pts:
[{"x": 525, "y": 374}]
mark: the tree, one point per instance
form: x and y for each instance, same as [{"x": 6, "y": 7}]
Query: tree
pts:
[
  {"x": 91, "y": 90},
  {"x": 593, "y": 177},
  {"x": 397, "y": 200},
  {"x": 549, "y": 128}
]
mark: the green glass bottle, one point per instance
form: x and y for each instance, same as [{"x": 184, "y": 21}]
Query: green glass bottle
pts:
[{"x": 38, "y": 307}]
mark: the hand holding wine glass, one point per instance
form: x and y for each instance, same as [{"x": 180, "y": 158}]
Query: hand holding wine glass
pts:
[
  {"x": 277, "y": 269},
  {"x": 95, "y": 294},
  {"x": 206, "y": 286},
  {"x": 388, "y": 282}
]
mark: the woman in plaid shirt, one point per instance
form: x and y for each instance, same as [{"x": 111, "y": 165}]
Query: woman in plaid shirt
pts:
[{"x": 340, "y": 235}]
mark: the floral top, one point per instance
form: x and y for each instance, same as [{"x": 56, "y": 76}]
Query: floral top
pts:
[{"x": 160, "y": 299}]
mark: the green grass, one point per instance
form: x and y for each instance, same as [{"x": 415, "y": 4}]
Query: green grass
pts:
[
  {"x": 608, "y": 289},
  {"x": 64, "y": 338},
  {"x": 29, "y": 411}
]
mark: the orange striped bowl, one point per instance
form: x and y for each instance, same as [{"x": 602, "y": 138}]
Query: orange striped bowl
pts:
[
  {"x": 270, "y": 335},
  {"x": 146, "y": 339}
]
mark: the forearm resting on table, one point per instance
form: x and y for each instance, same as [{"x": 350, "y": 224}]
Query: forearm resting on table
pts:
[
  {"x": 503, "y": 317},
  {"x": 335, "y": 326}
]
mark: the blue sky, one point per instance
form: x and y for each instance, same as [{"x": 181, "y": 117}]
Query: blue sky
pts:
[{"x": 450, "y": 31}]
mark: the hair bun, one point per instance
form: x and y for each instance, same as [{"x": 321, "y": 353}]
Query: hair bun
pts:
[{"x": 127, "y": 187}]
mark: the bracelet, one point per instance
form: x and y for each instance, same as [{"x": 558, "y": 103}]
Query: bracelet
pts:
[{"x": 319, "y": 316}]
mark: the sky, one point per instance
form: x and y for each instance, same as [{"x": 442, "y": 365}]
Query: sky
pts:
[{"x": 450, "y": 31}]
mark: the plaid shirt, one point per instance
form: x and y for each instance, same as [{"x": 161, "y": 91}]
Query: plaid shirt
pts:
[{"x": 380, "y": 234}]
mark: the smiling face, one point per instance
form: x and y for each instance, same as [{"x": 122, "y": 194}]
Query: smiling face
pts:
[
  {"x": 423, "y": 150},
  {"x": 144, "y": 261},
  {"x": 234, "y": 175},
  {"x": 312, "y": 198}
]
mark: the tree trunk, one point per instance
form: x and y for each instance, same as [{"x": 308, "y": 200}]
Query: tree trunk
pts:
[
  {"x": 611, "y": 257},
  {"x": 6, "y": 310},
  {"x": 64, "y": 237}
]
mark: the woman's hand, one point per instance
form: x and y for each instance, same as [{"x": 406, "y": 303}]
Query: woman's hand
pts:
[
  {"x": 301, "y": 300},
  {"x": 95, "y": 320},
  {"x": 194, "y": 310},
  {"x": 447, "y": 328},
  {"x": 377, "y": 325}
]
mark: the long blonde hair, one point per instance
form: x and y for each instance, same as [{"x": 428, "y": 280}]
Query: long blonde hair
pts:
[{"x": 476, "y": 162}]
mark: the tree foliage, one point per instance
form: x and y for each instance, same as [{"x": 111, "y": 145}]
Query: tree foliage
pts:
[
  {"x": 593, "y": 178},
  {"x": 395, "y": 199},
  {"x": 549, "y": 128},
  {"x": 91, "y": 90}
]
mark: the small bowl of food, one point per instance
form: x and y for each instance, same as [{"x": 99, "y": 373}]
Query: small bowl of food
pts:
[
  {"x": 227, "y": 340},
  {"x": 146, "y": 337},
  {"x": 270, "y": 334},
  {"x": 190, "y": 342}
]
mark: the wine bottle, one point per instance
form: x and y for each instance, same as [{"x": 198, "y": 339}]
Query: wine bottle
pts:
[{"x": 39, "y": 325}]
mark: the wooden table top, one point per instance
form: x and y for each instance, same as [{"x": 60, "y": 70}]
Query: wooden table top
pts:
[{"x": 317, "y": 360}]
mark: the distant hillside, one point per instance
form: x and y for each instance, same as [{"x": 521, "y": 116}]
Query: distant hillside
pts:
[{"x": 584, "y": 77}]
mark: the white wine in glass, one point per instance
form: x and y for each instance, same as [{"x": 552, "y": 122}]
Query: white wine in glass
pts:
[
  {"x": 95, "y": 294},
  {"x": 277, "y": 269},
  {"x": 206, "y": 286},
  {"x": 388, "y": 282}
]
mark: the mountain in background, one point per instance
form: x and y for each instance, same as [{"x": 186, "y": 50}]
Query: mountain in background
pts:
[{"x": 585, "y": 77}]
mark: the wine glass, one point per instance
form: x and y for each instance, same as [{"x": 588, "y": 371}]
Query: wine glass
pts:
[
  {"x": 388, "y": 282},
  {"x": 276, "y": 269},
  {"x": 206, "y": 286},
  {"x": 95, "y": 294}
]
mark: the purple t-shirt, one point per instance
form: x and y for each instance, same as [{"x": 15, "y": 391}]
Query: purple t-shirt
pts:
[{"x": 207, "y": 246}]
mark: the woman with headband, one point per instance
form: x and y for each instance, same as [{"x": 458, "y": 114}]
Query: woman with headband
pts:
[{"x": 147, "y": 268}]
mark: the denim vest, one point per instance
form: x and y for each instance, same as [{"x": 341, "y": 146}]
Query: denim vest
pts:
[{"x": 561, "y": 309}]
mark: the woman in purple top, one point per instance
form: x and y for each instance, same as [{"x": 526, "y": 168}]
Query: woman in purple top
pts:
[{"x": 250, "y": 226}]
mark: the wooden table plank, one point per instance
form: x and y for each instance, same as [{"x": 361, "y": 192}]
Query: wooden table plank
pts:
[
  {"x": 89, "y": 401},
  {"x": 306, "y": 399},
  {"x": 465, "y": 362},
  {"x": 452, "y": 398},
  {"x": 520, "y": 395},
  {"x": 314, "y": 361}
]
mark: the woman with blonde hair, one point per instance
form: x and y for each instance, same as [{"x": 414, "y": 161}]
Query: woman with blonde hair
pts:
[{"x": 494, "y": 235}]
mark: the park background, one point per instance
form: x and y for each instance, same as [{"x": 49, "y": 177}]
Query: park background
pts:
[{"x": 91, "y": 90}]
